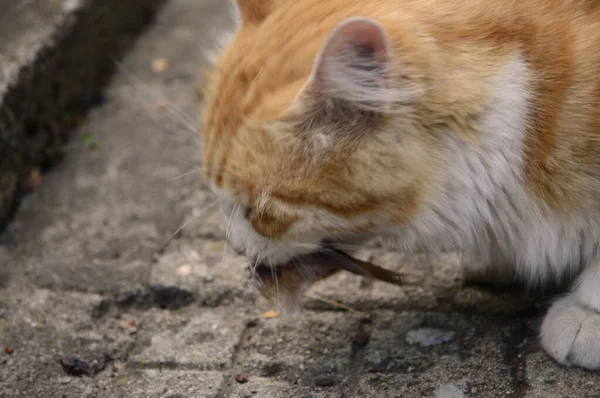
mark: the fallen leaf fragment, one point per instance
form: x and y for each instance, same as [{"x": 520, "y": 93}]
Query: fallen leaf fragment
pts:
[
  {"x": 35, "y": 178},
  {"x": 216, "y": 246},
  {"x": 270, "y": 314},
  {"x": 160, "y": 65},
  {"x": 129, "y": 326}
]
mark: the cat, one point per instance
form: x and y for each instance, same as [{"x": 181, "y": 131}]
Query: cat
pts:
[{"x": 438, "y": 125}]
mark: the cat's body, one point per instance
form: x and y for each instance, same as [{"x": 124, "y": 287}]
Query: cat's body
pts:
[{"x": 469, "y": 125}]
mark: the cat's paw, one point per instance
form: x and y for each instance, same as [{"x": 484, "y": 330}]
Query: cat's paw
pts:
[{"x": 571, "y": 334}]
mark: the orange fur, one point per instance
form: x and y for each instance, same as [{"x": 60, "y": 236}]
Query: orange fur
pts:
[{"x": 255, "y": 122}]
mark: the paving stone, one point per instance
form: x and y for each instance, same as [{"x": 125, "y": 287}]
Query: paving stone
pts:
[
  {"x": 205, "y": 270},
  {"x": 157, "y": 383},
  {"x": 190, "y": 338},
  {"x": 547, "y": 379},
  {"x": 59, "y": 387},
  {"x": 43, "y": 327},
  {"x": 132, "y": 383},
  {"x": 271, "y": 388},
  {"x": 473, "y": 363},
  {"x": 303, "y": 354}
]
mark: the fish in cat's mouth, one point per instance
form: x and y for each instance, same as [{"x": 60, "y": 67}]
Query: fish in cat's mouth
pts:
[{"x": 288, "y": 281}]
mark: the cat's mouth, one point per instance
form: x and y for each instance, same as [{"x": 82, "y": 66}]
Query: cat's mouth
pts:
[{"x": 294, "y": 277}]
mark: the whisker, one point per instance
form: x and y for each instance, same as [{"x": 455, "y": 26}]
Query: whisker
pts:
[
  {"x": 276, "y": 279},
  {"x": 228, "y": 229},
  {"x": 304, "y": 270},
  {"x": 348, "y": 246},
  {"x": 257, "y": 262},
  {"x": 146, "y": 87},
  {"x": 177, "y": 114},
  {"x": 187, "y": 173},
  {"x": 229, "y": 173},
  {"x": 305, "y": 245},
  {"x": 187, "y": 222},
  {"x": 317, "y": 246}
]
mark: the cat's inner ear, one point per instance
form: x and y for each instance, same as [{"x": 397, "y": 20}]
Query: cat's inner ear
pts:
[
  {"x": 355, "y": 66},
  {"x": 254, "y": 11}
]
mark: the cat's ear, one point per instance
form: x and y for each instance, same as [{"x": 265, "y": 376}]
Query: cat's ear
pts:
[
  {"x": 355, "y": 67},
  {"x": 254, "y": 11}
]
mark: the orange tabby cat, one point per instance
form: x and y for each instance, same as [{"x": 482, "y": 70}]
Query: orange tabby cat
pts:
[{"x": 469, "y": 125}]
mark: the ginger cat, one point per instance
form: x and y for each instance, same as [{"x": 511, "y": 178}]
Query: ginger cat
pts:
[{"x": 469, "y": 125}]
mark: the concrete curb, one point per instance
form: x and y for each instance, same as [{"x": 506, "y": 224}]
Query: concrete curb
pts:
[{"x": 55, "y": 58}]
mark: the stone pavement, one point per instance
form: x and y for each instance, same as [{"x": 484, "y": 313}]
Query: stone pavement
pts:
[{"x": 95, "y": 283}]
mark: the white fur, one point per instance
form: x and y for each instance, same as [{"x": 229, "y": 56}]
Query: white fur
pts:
[{"x": 483, "y": 207}]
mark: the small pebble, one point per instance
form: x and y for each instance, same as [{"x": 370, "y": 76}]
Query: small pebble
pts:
[
  {"x": 160, "y": 65},
  {"x": 324, "y": 382},
  {"x": 361, "y": 338},
  {"x": 73, "y": 366},
  {"x": 241, "y": 379},
  {"x": 382, "y": 366},
  {"x": 194, "y": 255},
  {"x": 449, "y": 391},
  {"x": 271, "y": 369},
  {"x": 427, "y": 337}
]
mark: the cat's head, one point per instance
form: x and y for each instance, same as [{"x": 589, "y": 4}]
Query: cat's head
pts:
[{"x": 309, "y": 127}]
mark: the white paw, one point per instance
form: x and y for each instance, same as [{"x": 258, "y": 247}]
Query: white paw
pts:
[{"x": 571, "y": 334}]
